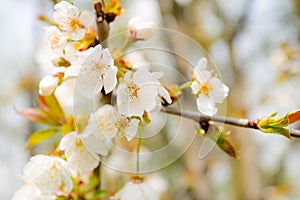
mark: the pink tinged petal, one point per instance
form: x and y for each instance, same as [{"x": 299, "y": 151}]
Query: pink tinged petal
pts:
[
  {"x": 131, "y": 129},
  {"x": 110, "y": 79},
  {"x": 206, "y": 105},
  {"x": 219, "y": 90},
  {"x": 86, "y": 19}
]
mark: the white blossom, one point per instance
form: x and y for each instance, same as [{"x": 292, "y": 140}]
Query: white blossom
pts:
[
  {"x": 110, "y": 122},
  {"x": 76, "y": 59},
  {"x": 79, "y": 156},
  {"x": 138, "y": 29},
  {"x": 56, "y": 40},
  {"x": 97, "y": 71},
  {"x": 50, "y": 174},
  {"x": 71, "y": 21},
  {"x": 140, "y": 92},
  {"x": 209, "y": 90},
  {"x": 31, "y": 192},
  {"x": 48, "y": 85},
  {"x": 85, "y": 147},
  {"x": 69, "y": 61},
  {"x": 136, "y": 191}
]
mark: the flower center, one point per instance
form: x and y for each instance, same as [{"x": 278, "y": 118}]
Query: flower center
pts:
[
  {"x": 205, "y": 88},
  {"x": 74, "y": 24},
  {"x": 122, "y": 122},
  {"x": 98, "y": 66},
  {"x": 133, "y": 90}
]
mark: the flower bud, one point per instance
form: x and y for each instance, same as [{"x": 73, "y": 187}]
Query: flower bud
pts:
[
  {"x": 48, "y": 84},
  {"x": 138, "y": 29},
  {"x": 59, "y": 61}
]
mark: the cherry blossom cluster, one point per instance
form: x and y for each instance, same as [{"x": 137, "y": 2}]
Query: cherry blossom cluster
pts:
[{"x": 76, "y": 54}]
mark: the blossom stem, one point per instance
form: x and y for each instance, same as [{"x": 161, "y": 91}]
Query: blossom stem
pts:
[
  {"x": 196, "y": 116},
  {"x": 138, "y": 148},
  {"x": 185, "y": 85}
]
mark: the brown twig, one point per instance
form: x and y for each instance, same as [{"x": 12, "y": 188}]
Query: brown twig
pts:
[
  {"x": 196, "y": 116},
  {"x": 102, "y": 25}
]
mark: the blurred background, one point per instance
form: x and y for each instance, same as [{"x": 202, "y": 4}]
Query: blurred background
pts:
[{"x": 254, "y": 44}]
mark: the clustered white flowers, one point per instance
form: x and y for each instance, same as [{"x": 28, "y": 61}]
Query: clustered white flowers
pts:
[
  {"x": 138, "y": 93},
  {"x": 97, "y": 71},
  {"x": 208, "y": 89}
]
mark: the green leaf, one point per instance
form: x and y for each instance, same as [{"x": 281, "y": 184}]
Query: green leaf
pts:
[
  {"x": 92, "y": 184},
  {"x": 276, "y": 126},
  {"x": 101, "y": 193},
  {"x": 62, "y": 198},
  {"x": 146, "y": 118},
  {"x": 39, "y": 136},
  {"x": 50, "y": 105},
  {"x": 38, "y": 116},
  {"x": 224, "y": 143}
]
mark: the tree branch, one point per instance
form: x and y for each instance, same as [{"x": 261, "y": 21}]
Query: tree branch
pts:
[
  {"x": 196, "y": 116},
  {"x": 102, "y": 25}
]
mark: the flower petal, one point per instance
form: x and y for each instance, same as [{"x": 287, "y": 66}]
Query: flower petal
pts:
[
  {"x": 202, "y": 64},
  {"x": 219, "y": 90},
  {"x": 86, "y": 18},
  {"x": 206, "y": 105},
  {"x": 110, "y": 79},
  {"x": 131, "y": 129}
]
